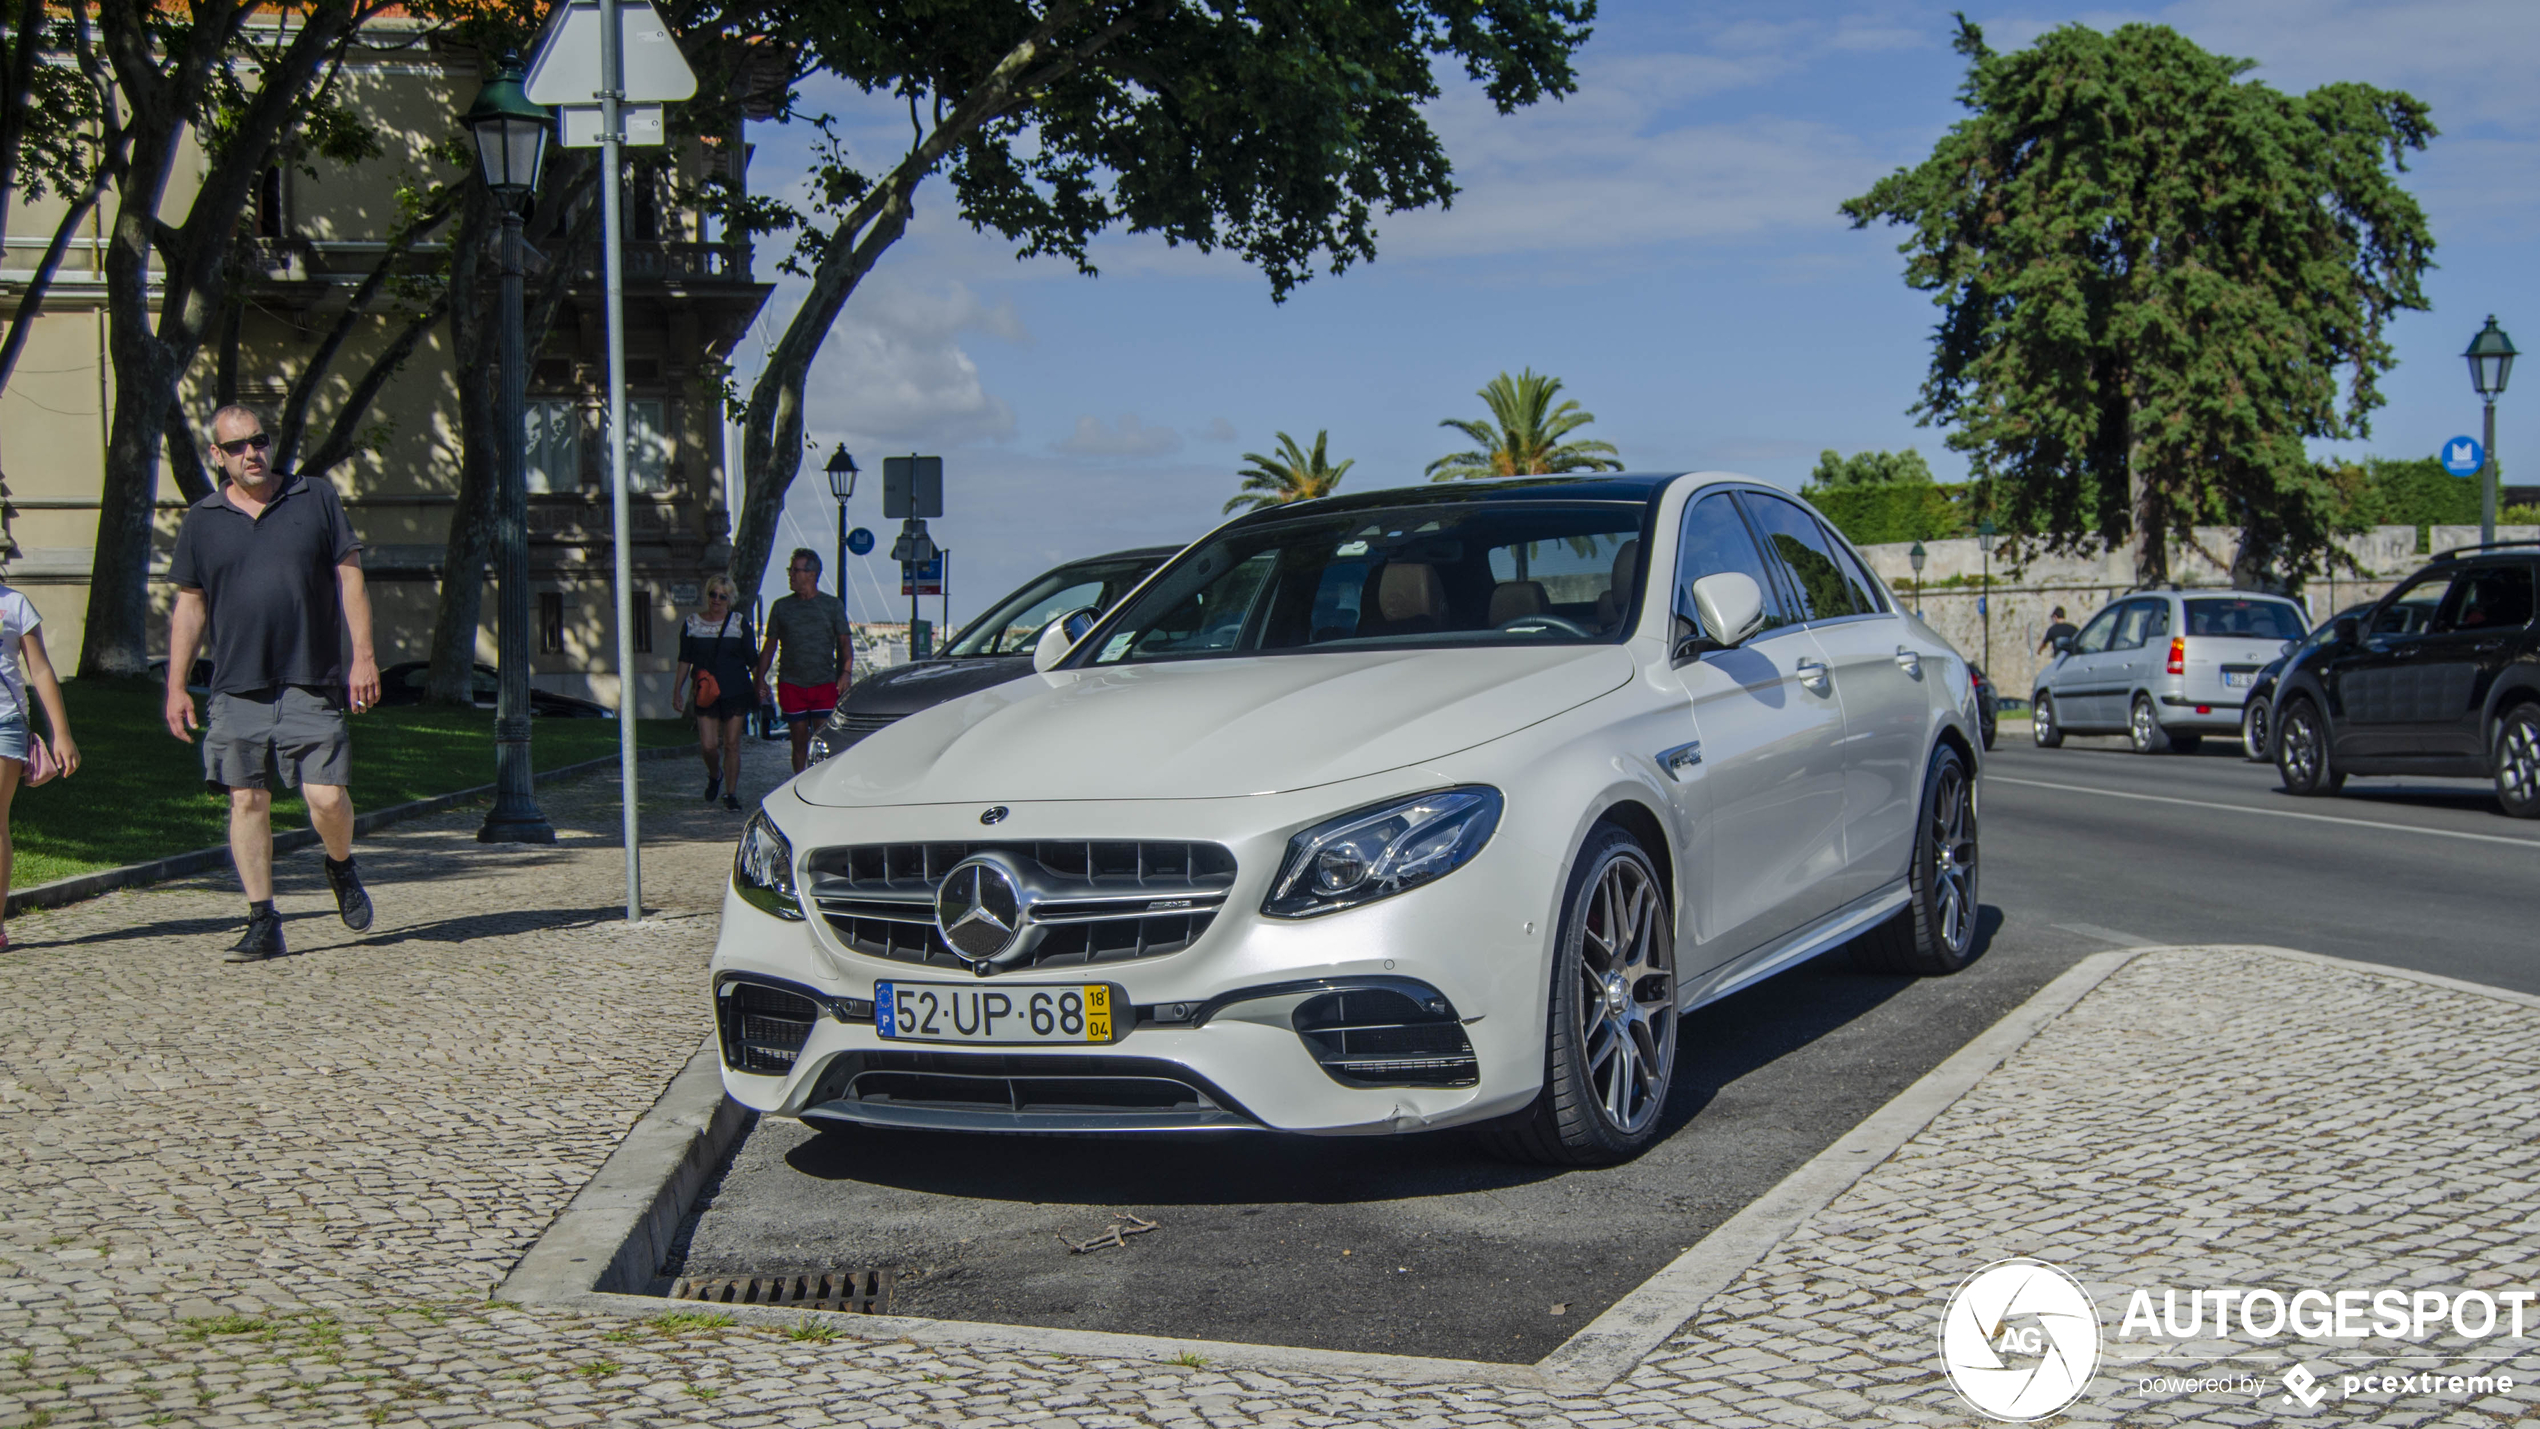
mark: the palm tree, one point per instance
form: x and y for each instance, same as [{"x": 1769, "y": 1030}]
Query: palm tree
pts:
[
  {"x": 1295, "y": 475},
  {"x": 1523, "y": 435}
]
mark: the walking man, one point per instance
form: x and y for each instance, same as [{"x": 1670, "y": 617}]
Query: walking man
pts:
[
  {"x": 819, "y": 651},
  {"x": 2062, "y": 629},
  {"x": 270, "y": 563}
]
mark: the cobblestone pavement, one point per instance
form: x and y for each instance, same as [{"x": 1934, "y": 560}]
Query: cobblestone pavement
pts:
[{"x": 280, "y": 1194}]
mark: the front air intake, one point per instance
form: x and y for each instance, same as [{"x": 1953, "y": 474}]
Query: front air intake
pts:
[
  {"x": 1378, "y": 1037},
  {"x": 763, "y": 1024}
]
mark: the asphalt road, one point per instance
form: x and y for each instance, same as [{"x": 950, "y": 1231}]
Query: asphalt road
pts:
[{"x": 1426, "y": 1246}]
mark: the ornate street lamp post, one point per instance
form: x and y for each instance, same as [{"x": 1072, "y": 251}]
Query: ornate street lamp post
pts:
[
  {"x": 1917, "y": 556},
  {"x": 2491, "y": 361},
  {"x": 1985, "y": 537},
  {"x": 842, "y": 474},
  {"x": 511, "y": 142}
]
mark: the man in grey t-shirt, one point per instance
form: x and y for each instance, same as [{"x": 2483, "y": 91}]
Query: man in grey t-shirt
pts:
[{"x": 818, "y": 651}]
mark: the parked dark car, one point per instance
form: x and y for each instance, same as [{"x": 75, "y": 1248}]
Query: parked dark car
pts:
[
  {"x": 403, "y": 684},
  {"x": 2440, "y": 678},
  {"x": 1988, "y": 702},
  {"x": 2257, "y": 718},
  {"x": 991, "y": 650}
]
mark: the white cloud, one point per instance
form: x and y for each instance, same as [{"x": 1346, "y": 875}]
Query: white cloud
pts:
[
  {"x": 894, "y": 371},
  {"x": 1218, "y": 430},
  {"x": 1129, "y": 438}
]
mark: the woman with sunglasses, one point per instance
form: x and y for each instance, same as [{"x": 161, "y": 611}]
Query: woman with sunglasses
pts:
[{"x": 715, "y": 685}]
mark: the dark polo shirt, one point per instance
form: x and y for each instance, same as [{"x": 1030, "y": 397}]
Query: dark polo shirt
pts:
[{"x": 268, "y": 581}]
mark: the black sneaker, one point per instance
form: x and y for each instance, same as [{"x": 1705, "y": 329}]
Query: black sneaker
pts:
[
  {"x": 263, "y": 939},
  {"x": 351, "y": 899},
  {"x": 731, "y": 803},
  {"x": 714, "y": 786}
]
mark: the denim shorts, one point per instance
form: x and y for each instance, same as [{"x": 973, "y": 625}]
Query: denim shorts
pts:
[{"x": 13, "y": 737}]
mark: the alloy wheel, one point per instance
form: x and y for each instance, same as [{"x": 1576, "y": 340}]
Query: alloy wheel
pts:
[
  {"x": 1627, "y": 996},
  {"x": 2253, "y": 732},
  {"x": 2518, "y": 764},
  {"x": 1953, "y": 859},
  {"x": 2142, "y": 728},
  {"x": 2041, "y": 723}
]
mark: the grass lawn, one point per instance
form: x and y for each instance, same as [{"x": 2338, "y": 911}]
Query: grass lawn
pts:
[{"x": 139, "y": 794}]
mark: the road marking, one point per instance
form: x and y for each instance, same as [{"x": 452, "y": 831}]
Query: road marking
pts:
[
  {"x": 2269, "y": 813},
  {"x": 2107, "y": 935}
]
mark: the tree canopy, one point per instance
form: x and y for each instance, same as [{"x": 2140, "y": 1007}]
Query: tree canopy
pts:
[
  {"x": 1836, "y": 472},
  {"x": 2157, "y": 280},
  {"x": 1295, "y": 474},
  {"x": 1523, "y": 434}
]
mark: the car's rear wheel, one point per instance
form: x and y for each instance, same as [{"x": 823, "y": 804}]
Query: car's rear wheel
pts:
[
  {"x": 1611, "y": 1048},
  {"x": 2253, "y": 732},
  {"x": 1936, "y": 931},
  {"x": 2301, "y": 752},
  {"x": 2518, "y": 762},
  {"x": 2041, "y": 722},
  {"x": 2144, "y": 728}
]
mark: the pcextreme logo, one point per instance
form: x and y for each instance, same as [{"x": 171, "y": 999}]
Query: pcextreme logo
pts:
[{"x": 2020, "y": 1340}]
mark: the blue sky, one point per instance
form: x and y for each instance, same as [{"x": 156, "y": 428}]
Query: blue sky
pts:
[{"x": 1665, "y": 241}]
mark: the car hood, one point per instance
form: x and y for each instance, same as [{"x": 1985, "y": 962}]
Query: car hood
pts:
[
  {"x": 906, "y": 689},
  {"x": 1201, "y": 729}
]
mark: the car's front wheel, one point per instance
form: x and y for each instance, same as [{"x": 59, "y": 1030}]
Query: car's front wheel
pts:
[
  {"x": 1611, "y": 1047},
  {"x": 2301, "y": 752},
  {"x": 1936, "y": 932},
  {"x": 2041, "y": 722},
  {"x": 2518, "y": 762},
  {"x": 2253, "y": 732}
]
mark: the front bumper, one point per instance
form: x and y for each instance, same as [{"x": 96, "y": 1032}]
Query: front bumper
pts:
[{"x": 1422, "y": 1010}]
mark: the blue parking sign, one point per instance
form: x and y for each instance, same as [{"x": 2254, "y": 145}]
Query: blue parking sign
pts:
[{"x": 2463, "y": 456}]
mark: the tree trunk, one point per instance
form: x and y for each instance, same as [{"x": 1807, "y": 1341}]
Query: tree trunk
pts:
[
  {"x": 115, "y": 642},
  {"x": 471, "y": 540}
]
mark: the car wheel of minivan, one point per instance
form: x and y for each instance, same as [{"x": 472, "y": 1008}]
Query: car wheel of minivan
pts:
[
  {"x": 2041, "y": 722},
  {"x": 1936, "y": 931},
  {"x": 1611, "y": 1047},
  {"x": 2518, "y": 762},
  {"x": 2144, "y": 728},
  {"x": 2253, "y": 733},
  {"x": 2301, "y": 752}
]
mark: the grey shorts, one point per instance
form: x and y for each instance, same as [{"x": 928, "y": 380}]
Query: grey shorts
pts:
[{"x": 290, "y": 736}]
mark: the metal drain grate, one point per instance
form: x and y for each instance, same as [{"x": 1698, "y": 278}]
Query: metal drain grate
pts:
[{"x": 863, "y": 1292}]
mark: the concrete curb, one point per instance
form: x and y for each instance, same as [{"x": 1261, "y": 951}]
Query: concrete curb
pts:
[
  {"x": 607, "y": 1247},
  {"x": 80, "y": 887}
]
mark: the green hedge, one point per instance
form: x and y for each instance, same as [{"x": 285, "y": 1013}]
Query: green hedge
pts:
[{"x": 1872, "y": 515}]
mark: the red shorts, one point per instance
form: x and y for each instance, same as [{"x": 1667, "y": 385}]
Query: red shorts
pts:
[{"x": 806, "y": 701}]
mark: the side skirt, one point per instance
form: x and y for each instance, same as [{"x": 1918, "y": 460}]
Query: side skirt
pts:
[{"x": 1840, "y": 926}]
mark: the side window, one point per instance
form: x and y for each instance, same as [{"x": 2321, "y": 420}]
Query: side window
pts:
[
  {"x": 1865, "y": 590},
  {"x": 1792, "y": 533},
  {"x": 2489, "y": 598},
  {"x": 1716, "y": 539},
  {"x": 2156, "y": 626},
  {"x": 2411, "y": 611},
  {"x": 2094, "y": 636},
  {"x": 2131, "y": 619}
]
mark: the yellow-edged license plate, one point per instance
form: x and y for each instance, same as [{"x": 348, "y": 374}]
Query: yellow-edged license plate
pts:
[{"x": 967, "y": 1012}]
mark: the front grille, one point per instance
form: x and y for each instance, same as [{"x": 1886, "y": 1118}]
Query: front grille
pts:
[
  {"x": 1102, "y": 900},
  {"x": 763, "y": 1025},
  {"x": 846, "y": 729},
  {"x": 1376, "y": 1037},
  {"x": 1030, "y": 1085}
]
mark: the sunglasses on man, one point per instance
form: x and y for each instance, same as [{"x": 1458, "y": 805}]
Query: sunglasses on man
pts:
[{"x": 253, "y": 443}]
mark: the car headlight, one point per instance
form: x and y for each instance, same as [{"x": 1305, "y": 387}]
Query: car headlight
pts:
[
  {"x": 1379, "y": 852},
  {"x": 763, "y": 869}
]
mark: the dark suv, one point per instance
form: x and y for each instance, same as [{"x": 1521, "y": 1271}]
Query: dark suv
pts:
[{"x": 2441, "y": 677}]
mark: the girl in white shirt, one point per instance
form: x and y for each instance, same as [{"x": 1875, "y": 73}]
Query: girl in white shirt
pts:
[{"x": 22, "y": 645}]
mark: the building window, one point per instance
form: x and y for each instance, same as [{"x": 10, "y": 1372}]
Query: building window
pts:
[
  {"x": 550, "y": 622},
  {"x": 554, "y": 437},
  {"x": 640, "y": 609},
  {"x": 269, "y": 204},
  {"x": 648, "y": 446}
]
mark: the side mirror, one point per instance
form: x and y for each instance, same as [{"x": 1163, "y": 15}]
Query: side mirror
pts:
[
  {"x": 1060, "y": 636},
  {"x": 2349, "y": 630},
  {"x": 1731, "y": 605}
]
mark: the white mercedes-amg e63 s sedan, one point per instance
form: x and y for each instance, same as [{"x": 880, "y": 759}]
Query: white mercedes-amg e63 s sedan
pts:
[{"x": 1390, "y": 811}]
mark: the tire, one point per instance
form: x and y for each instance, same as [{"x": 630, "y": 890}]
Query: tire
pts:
[
  {"x": 1991, "y": 723},
  {"x": 2302, "y": 753},
  {"x": 2518, "y": 762},
  {"x": 1610, "y": 1047},
  {"x": 1935, "y": 934},
  {"x": 2143, "y": 728},
  {"x": 2041, "y": 722},
  {"x": 2254, "y": 732}
]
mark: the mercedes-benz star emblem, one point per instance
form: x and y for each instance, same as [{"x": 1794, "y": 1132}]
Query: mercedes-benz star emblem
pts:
[
  {"x": 979, "y": 908},
  {"x": 995, "y": 815}
]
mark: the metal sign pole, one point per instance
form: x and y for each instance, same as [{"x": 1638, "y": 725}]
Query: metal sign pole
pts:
[{"x": 612, "y": 86}]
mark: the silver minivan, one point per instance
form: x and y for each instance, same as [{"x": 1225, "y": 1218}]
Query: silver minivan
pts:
[{"x": 2164, "y": 668}]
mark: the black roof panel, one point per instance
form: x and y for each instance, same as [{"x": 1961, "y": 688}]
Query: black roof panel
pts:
[{"x": 1609, "y": 486}]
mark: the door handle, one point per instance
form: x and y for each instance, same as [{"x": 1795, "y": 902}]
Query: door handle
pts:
[
  {"x": 1909, "y": 661},
  {"x": 1816, "y": 675}
]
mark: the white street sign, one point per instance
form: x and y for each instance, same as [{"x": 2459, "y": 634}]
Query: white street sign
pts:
[
  {"x": 565, "y": 67},
  {"x": 642, "y": 123}
]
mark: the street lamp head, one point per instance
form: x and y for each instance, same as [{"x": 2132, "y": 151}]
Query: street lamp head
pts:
[
  {"x": 511, "y": 132},
  {"x": 2491, "y": 360},
  {"x": 1986, "y": 535},
  {"x": 1916, "y": 557},
  {"x": 842, "y": 473}
]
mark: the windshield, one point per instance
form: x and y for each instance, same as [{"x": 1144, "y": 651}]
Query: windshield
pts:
[
  {"x": 2250, "y": 619},
  {"x": 1442, "y": 573},
  {"x": 1016, "y": 622}
]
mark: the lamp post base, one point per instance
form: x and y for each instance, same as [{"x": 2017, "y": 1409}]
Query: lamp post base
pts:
[
  {"x": 530, "y": 829},
  {"x": 515, "y": 817}
]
